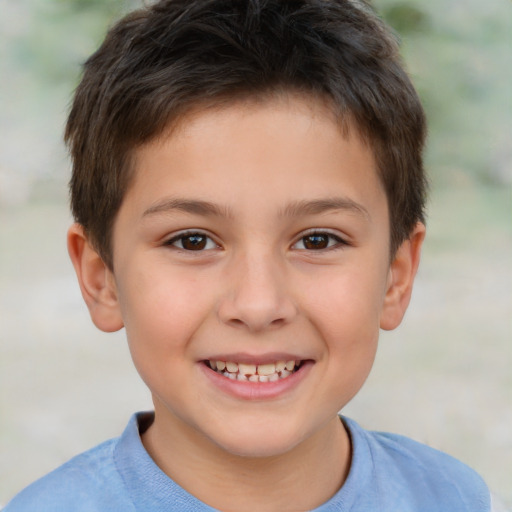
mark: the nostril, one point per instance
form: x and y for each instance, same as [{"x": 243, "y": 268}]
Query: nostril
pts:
[{"x": 236, "y": 322}]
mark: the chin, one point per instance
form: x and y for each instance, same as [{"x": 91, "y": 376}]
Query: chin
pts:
[
  {"x": 258, "y": 450},
  {"x": 259, "y": 443}
]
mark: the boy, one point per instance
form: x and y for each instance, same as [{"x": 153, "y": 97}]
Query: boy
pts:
[{"x": 248, "y": 193}]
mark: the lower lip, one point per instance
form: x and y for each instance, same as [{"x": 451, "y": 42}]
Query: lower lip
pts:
[{"x": 256, "y": 390}]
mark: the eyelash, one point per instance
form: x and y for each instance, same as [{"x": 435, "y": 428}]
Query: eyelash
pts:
[
  {"x": 338, "y": 241},
  {"x": 200, "y": 247},
  {"x": 189, "y": 235}
]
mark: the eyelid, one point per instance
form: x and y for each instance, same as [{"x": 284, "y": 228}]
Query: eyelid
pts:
[
  {"x": 169, "y": 241},
  {"x": 341, "y": 241}
]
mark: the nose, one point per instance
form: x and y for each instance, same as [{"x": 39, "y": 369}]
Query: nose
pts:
[{"x": 256, "y": 296}]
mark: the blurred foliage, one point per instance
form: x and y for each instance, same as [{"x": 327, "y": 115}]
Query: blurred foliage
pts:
[
  {"x": 109, "y": 7},
  {"x": 459, "y": 54},
  {"x": 405, "y": 18}
]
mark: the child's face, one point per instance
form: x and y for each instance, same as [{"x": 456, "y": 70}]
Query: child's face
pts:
[{"x": 254, "y": 234}]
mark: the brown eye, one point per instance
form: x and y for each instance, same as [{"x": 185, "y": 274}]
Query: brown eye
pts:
[
  {"x": 316, "y": 241},
  {"x": 192, "y": 242}
]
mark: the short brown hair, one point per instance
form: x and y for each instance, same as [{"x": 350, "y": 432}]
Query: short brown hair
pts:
[{"x": 159, "y": 62}]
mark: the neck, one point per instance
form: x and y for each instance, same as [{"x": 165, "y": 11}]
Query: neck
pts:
[{"x": 302, "y": 478}]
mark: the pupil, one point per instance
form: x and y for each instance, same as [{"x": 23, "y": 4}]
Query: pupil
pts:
[
  {"x": 315, "y": 242},
  {"x": 194, "y": 242}
]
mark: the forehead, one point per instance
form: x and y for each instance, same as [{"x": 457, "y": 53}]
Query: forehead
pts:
[{"x": 287, "y": 148}]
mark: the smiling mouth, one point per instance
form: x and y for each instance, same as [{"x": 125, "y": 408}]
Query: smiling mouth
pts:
[{"x": 268, "y": 372}]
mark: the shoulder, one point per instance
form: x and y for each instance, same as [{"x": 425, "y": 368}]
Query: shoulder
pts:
[
  {"x": 407, "y": 469},
  {"x": 87, "y": 482}
]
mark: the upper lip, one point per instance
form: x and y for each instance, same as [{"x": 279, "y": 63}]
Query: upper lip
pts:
[{"x": 266, "y": 358}]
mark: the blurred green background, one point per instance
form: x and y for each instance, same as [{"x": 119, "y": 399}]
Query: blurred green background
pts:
[
  {"x": 444, "y": 377},
  {"x": 458, "y": 53}
]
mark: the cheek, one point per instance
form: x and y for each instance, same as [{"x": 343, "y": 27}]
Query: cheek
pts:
[
  {"x": 345, "y": 312},
  {"x": 161, "y": 312},
  {"x": 346, "y": 302}
]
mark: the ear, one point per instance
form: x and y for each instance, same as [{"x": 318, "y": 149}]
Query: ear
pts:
[
  {"x": 96, "y": 281},
  {"x": 401, "y": 278}
]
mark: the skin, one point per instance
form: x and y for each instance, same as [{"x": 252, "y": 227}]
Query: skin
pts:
[{"x": 256, "y": 178}]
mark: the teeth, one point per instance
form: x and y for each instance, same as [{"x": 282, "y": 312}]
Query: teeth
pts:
[
  {"x": 280, "y": 366},
  {"x": 266, "y": 369},
  {"x": 269, "y": 372},
  {"x": 231, "y": 367},
  {"x": 247, "y": 369}
]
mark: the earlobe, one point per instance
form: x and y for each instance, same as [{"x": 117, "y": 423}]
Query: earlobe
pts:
[
  {"x": 96, "y": 281},
  {"x": 401, "y": 278}
]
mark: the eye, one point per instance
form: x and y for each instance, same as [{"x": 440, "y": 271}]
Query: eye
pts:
[
  {"x": 192, "y": 242},
  {"x": 318, "y": 240}
]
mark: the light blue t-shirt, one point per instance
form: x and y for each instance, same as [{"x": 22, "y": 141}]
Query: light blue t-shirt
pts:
[{"x": 388, "y": 473}]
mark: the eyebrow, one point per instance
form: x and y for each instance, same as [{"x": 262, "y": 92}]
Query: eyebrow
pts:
[
  {"x": 194, "y": 206},
  {"x": 319, "y": 206},
  {"x": 294, "y": 209}
]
